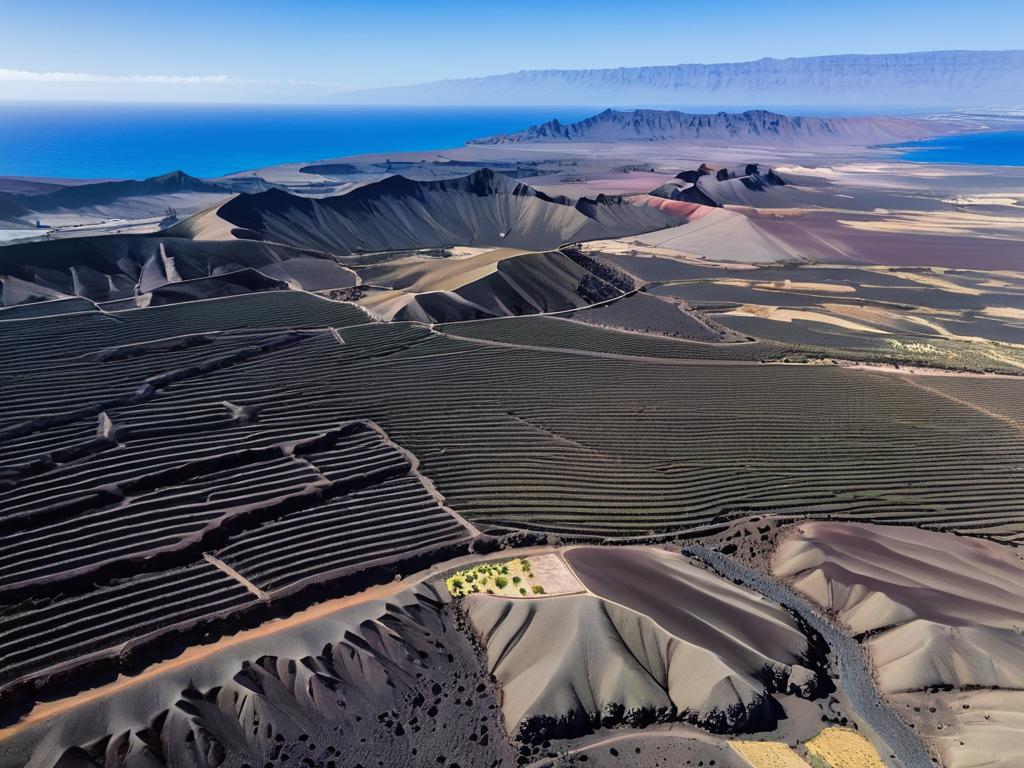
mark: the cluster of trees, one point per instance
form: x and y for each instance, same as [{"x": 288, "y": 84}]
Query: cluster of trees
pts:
[{"x": 477, "y": 579}]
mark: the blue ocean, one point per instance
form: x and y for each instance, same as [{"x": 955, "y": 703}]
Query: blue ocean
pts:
[
  {"x": 993, "y": 148},
  {"x": 117, "y": 141}
]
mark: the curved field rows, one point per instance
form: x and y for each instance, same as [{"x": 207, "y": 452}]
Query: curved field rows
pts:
[{"x": 157, "y": 437}]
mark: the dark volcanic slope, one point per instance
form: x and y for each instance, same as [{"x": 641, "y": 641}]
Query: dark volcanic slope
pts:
[
  {"x": 113, "y": 267},
  {"x": 752, "y": 127},
  {"x": 11, "y": 206},
  {"x": 401, "y": 688},
  {"x": 482, "y": 209},
  {"x": 105, "y": 192}
]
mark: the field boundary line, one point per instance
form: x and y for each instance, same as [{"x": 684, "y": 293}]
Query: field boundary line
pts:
[
  {"x": 426, "y": 482},
  {"x": 594, "y": 353},
  {"x": 965, "y": 403},
  {"x": 227, "y": 569}
]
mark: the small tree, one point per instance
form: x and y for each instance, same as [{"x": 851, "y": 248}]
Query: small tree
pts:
[
  {"x": 516, "y": 579},
  {"x": 522, "y": 590},
  {"x": 500, "y": 582},
  {"x": 457, "y": 584}
]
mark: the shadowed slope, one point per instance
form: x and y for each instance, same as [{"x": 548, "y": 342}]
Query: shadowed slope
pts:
[
  {"x": 113, "y": 267},
  {"x": 105, "y": 192}
]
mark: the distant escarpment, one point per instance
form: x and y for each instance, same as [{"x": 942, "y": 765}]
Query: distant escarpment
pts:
[
  {"x": 925, "y": 80},
  {"x": 751, "y": 127},
  {"x": 481, "y": 209}
]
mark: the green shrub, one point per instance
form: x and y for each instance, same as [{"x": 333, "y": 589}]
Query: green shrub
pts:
[
  {"x": 522, "y": 590},
  {"x": 516, "y": 579},
  {"x": 500, "y": 582},
  {"x": 537, "y": 589}
]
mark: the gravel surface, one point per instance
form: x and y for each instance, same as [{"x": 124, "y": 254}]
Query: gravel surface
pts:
[{"x": 854, "y": 670}]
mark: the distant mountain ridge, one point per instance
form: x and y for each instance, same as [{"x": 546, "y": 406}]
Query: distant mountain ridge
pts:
[
  {"x": 105, "y": 192},
  {"x": 926, "y": 80},
  {"x": 754, "y": 126}
]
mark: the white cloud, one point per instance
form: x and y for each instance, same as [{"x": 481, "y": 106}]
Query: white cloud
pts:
[{"x": 27, "y": 76}]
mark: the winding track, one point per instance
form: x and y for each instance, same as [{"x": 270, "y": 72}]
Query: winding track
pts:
[{"x": 854, "y": 670}]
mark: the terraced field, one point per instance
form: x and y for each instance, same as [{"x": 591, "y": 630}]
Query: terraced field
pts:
[
  {"x": 383, "y": 521},
  {"x": 235, "y": 452},
  {"x": 783, "y": 342},
  {"x": 120, "y": 485},
  {"x": 558, "y": 334},
  {"x": 69, "y": 631}
]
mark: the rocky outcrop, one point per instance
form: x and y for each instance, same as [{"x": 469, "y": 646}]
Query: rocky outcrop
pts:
[{"x": 722, "y": 186}]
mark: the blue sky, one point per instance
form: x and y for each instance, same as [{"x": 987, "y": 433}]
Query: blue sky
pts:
[{"x": 302, "y": 50}]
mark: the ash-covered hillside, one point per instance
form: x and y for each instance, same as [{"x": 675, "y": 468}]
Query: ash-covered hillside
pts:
[{"x": 482, "y": 209}]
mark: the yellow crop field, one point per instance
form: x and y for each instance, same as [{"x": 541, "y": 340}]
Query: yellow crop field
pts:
[
  {"x": 768, "y": 754},
  {"x": 843, "y": 748}
]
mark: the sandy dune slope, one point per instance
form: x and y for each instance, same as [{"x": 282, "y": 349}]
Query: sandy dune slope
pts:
[
  {"x": 487, "y": 287},
  {"x": 719, "y": 235},
  {"x": 937, "y": 611},
  {"x": 635, "y": 653},
  {"x": 876, "y": 576}
]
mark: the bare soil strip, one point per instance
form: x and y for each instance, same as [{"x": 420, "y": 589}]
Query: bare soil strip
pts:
[
  {"x": 1018, "y": 425},
  {"x": 220, "y": 564}
]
